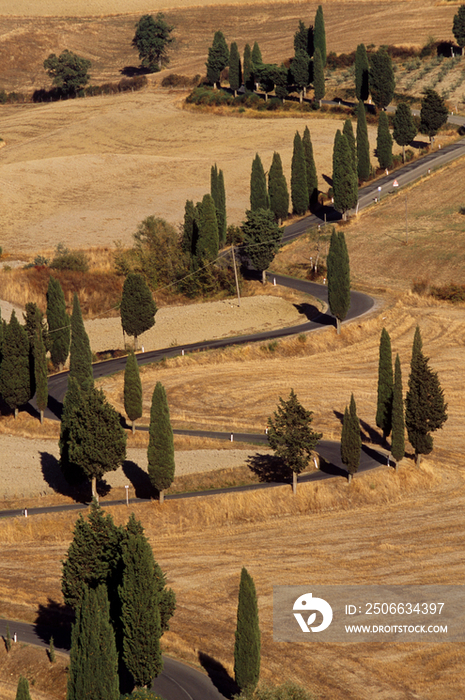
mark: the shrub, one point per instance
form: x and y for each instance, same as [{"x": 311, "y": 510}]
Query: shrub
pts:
[
  {"x": 65, "y": 259},
  {"x": 449, "y": 292},
  {"x": 274, "y": 104},
  {"x": 420, "y": 286},
  {"x": 175, "y": 80}
]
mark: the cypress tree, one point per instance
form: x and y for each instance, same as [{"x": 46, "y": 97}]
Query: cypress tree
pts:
[
  {"x": 300, "y": 71},
  {"x": 221, "y": 210},
  {"x": 140, "y": 614},
  {"x": 247, "y": 642},
  {"x": 363, "y": 145},
  {"x": 381, "y": 78},
  {"x": 281, "y": 87},
  {"x": 398, "y": 423},
  {"x": 208, "y": 241},
  {"x": 248, "y": 68},
  {"x": 425, "y": 408},
  {"x": 277, "y": 189},
  {"x": 345, "y": 186},
  {"x": 338, "y": 277},
  {"x": 160, "y": 452},
  {"x": 310, "y": 168},
  {"x": 318, "y": 76},
  {"x": 189, "y": 230},
  {"x": 218, "y": 58},
  {"x": 15, "y": 380},
  {"x": 71, "y": 471},
  {"x": 40, "y": 373},
  {"x": 235, "y": 71},
  {"x": 132, "y": 390},
  {"x": 262, "y": 238},
  {"x": 301, "y": 38},
  {"x": 257, "y": 63},
  {"x": 351, "y": 442},
  {"x": 93, "y": 668},
  {"x": 33, "y": 321},
  {"x": 361, "y": 73},
  {"x": 137, "y": 308},
  {"x": 385, "y": 385},
  {"x": 348, "y": 131},
  {"x": 299, "y": 185},
  {"x": 80, "y": 357},
  {"x": 384, "y": 142},
  {"x": 58, "y": 324},
  {"x": 258, "y": 192},
  {"x": 404, "y": 127},
  {"x": 22, "y": 691},
  {"x": 319, "y": 34},
  {"x": 214, "y": 183},
  {"x": 458, "y": 27},
  {"x": 433, "y": 113}
]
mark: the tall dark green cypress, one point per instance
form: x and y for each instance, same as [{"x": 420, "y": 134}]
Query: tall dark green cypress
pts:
[
  {"x": 140, "y": 614},
  {"x": 22, "y": 691},
  {"x": 300, "y": 72},
  {"x": 381, "y": 78},
  {"x": 361, "y": 73},
  {"x": 160, "y": 454},
  {"x": 351, "y": 442},
  {"x": 384, "y": 142},
  {"x": 319, "y": 34},
  {"x": 310, "y": 168},
  {"x": 132, "y": 390},
  {"x": 40, "y": 373},
  {"x": 73, "y": 398},
  {"x": 348, "y": 132},
  {"x": 425, "y": 408},
  {"x": 80, "y": 357},
  {"x": 221, "y": 210},
  {"x": 248, "y": 68},
  {"x": 247, "y": 645},
  {"x": 338, "y": 277},
  {"x": 385, "y": 385},
  {"x": 398, "y": 422},
  {"x": 15, "y": 378},
  {"x": 214, "y": 183},
  {"x": 33, "y": 321},
  {"x": 301, "y": 37},
  {"x": 404, "y": 127},
  {"x": 318, "y": 76},
  {"x": 58, "y": 324},
  {"x": 262, "y": 237},
  {"x": 208, "y": 241},
  {"x": 258, "y": 191},
  {"x": 93, "y": 667},
  {"x": 218, "y": 58},
  {"x": 277, "y": 189},
  {"x": 345, "y": 186},
  {"x": 189, "y": 230},
  {"x": 299, "y": 185},
  {"x": 363, "y": 145},
  {"x": 235, "y": 71}
]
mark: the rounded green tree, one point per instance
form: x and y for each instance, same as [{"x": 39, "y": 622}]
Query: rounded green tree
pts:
[
  {"x": 137, "y": 308},
  {"x": 160, "y": 453}
]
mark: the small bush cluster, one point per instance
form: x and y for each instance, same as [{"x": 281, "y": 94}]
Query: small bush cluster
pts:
[
  {"x": 175, "y": 80},
  {"x": 124, "y": 85},
  {"x": 449, "y": 292},
  {"x": 66, "y": 259},
  {"x": 420, "y": 286},
  {"x": 12, "y": 97}
]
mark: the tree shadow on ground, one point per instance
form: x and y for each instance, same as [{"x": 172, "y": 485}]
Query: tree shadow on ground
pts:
[
  {"x": 367, "y": 432},
  {"x": 378, "y": 457},
  {"x": 132, "y": 71},
  {"x": 269, "y": 468},
  {"x": 419, "y": 144},
  {"x": 332, "y": 469},
  {"x": 81, "y": 493},
  {"x": 219, "y": 676},
  {"x": 139, "y": 479},
  {"x": 54, "y": 620},
  {"x": 308, "y": 310}
]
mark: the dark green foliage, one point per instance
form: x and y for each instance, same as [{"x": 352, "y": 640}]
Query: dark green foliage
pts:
[
  {"x": 398, "y": 422},
  {"x": 300, "y": 71},
  {"x": 299, "y": 185},
  {"x": 258, "y": 191},
  {"x": 235, "y": 71},
  {"x": 68, "y": 71},
  {"x": 301, "y": 38},
  {"x": 58, "y": 324},
  {"x": 137, "y": 308},
  {"x": 381, "y": 78},
  {"x": 160, "y": 454},
  {"x": 141, "y": 694},
  {"x": 247, "y": 642},
  {"x": 266, "y": 76},
  {"x": 93, "y": 557},
  {"x": 351, "y": 442},
  {"x": 96, "y": 442},
  {"x": 221, "y": 210},
  {"x": 348, "y": 131},
  {"x": 338, "y": 277},
  {"x": 73, "y": 398},
  {"x": 433, "y": 113},
  {"x": 286, "y": 691},
  {"x": 156, "y": 252},
  {"x": 65, "y": 259},
  {"x": 310, "y": 168},
  {"x": 361, "y": 73},
  {"x": 15, "y": 379},
  {"x": 319, "y": 34},
  {"x": 384, "y": 142},
  {"x": 140, "y": 614},
  {"x": 425, "y": 408},
  {"x": 51, "y": 651},
  {"x": 218, "y": 58},
  {"x": 458, "y": 27},
  {"x": 345, "y": 186},
  {"x": 262, "y": 238},
  {"x": 22, "y": 691},
  {"x": 190, "y": 229},
  {"x": 385, "y": 385},
  {"x": 404, "y": 127},
  {"x": 282, "y": 80},
  {"x": 152, "y": 38},
  {"x": 208, "y": 241},
  {"x": 256, "y": 56},
  {"x": 33, "y": 322},
  {"x": 363, "y": 145},
  {"x": 290, "y": 434},
  {"x": 277, "y": 189},
  {"x": 80, "y": 357},
  {"x": 93, "y": 667},
  {"x": 318, "y": 76},
  {"x": 248, "y": 68},
  {"x": 132, "y": 389},
  {"x": 40, "y": 373}
]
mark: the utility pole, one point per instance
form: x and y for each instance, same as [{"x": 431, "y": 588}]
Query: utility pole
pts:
[{"x": 406, "y": 220}]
